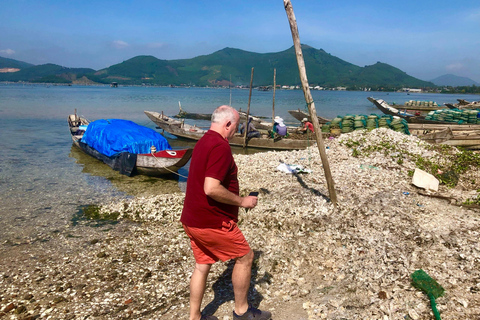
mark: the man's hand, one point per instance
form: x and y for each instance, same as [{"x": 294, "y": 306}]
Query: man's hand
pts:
[{"x": 249, "y": 202}]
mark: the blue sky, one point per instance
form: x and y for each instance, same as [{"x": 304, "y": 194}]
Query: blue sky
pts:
[{"x": 424, "y": 38}]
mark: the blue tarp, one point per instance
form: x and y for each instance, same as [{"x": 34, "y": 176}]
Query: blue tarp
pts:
[{"x": 113, "y": 136}]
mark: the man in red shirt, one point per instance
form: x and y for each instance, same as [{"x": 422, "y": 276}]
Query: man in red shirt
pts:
[
  {"x": 307, "y": 125},
  {"x": 210, "y": 216}
]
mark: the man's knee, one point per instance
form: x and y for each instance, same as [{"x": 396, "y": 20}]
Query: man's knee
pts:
[{"x": 246, "y": 259}]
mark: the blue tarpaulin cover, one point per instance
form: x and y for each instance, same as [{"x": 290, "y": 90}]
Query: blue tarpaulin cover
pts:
[{"x": 113, "y": 136}]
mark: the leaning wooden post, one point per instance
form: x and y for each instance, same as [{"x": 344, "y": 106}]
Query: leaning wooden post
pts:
[
  {"x": 273, "y": 105},
  {"x": 248, "y": 112},
  {"x": 309, "y": 100}
]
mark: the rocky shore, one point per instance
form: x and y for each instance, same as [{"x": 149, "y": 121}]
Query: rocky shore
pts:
[{"x": 312, "y": 261}]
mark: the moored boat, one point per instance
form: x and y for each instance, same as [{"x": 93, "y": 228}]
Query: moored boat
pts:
[
  {"x": 300, "y": 115},
  {"x": 126, "y": 152},
  {"x": 464, "y": 104},
  {"x": 383, "y": 106},
  {"x": 192, "y": 132},
  {"x": 466, "y": 136}
]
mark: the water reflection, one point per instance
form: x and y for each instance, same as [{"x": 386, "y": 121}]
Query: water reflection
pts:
[{"x": 137, "y": 185}]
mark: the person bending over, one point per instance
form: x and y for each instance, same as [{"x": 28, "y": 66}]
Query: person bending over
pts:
[{"x": 307, "y": 126}]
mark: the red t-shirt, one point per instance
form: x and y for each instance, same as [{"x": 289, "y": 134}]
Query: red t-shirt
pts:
[
  {"x": 212, "y": 157},
  {"x": 309, "y": 126}
]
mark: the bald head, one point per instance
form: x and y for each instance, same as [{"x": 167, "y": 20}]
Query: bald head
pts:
[
  {"x": 225, "y": 121},
  {"x": 224, "y": 114}
]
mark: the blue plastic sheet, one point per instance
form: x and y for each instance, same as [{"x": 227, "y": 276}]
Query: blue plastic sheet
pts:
[{"x": 113, "y": 136}]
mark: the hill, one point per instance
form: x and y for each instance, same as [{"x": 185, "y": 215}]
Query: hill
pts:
[
  {"x": 453, "y": 81},
  {"x": 15, "y": 64},
  {"x": 219, "y": 67},
  {"x": 50, "y": 73},
  {"x": 231, "y": 66}
]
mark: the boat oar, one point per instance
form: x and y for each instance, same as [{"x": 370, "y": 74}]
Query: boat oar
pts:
[{"x": 421, "y": 280}]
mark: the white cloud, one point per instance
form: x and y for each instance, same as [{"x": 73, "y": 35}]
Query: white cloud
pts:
[
  {"x": 119, "y": 44},
  {"x": 457, "y": 66},
  {"x": 7, "y": 51},
  {"x": 475, "y": 15}
]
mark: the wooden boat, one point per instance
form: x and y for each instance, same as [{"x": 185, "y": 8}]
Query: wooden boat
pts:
[
  {"x": 257, "y": 121},
  {"x": 419, "y": 106},
  {"x": 153, "y": 164},
  {"x": 458, "y": 135},
  {"x": 182, "y": 130},
  {"x": 383, "y": 106},
  {"x": 464, "y": 104},
  {"x": 300, "y": 115}
]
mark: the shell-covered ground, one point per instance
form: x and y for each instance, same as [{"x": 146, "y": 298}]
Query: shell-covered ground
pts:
[{"x": 313, "y": 260}]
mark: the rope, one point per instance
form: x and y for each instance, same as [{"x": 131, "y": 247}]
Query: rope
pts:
[
  {"x": 307, "y": 104},
  {"x": 152, "y": 152}
]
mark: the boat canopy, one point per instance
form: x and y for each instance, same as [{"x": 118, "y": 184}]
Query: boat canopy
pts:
[{"x": 113, "y": 136}]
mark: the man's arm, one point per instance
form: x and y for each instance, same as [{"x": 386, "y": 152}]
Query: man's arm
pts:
[{"x": 214, "y": 189}]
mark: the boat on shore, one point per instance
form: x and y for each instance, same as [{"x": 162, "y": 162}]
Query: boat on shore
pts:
[
  {"x": 383, "y": 106},
  {"x": 465, "y": 136},
  {"x": 155, "y": 163},
  {"x": 258, "y": 123},
  {"x": 183, "y": 130},
  {"x": 418, "y": 106},
  {"x": 464, "y": 104},
  {"x": 300, "y": 115}
]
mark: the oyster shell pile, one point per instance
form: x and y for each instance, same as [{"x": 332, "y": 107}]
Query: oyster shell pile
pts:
[{"x": 312, "y": 261}]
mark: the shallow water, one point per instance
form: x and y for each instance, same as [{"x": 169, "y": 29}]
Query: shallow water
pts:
[{"x": 44, "y": 181}]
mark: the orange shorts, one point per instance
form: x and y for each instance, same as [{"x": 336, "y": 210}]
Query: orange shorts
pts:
[{"x": 210, "y": 245}]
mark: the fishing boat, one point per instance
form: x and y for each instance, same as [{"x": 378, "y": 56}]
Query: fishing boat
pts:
[
  {"x": 300, "y": 115},
  {"x": 464, "y": 104},
  {"x": 383, "y": 106},
  {"x": 192, "y": 132},
  {"x": 126, "y": 146},
  {"x": 419, "y": 106},
  {"x": 465, "y": 136},
  {"x": 258, "y": 123}
]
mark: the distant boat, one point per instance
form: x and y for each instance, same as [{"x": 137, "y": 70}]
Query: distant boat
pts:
[
  {"x": 155, "y": 163},
  {"x": 257, "y": 122},
  {"x": 464, "y": 104},
  {"x": 182, "y": 130},
  {"x": 300, "y": 115}
]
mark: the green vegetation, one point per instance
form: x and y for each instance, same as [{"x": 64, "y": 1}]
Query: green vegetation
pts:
[
  {"x": 93, "y": 212},
  {"x": 463, "y": 89},
  {"x": 11, "y": 63},
  {"x": 218, "y": 68}
]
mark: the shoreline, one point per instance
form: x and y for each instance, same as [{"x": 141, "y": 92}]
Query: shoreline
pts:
[{"x": 311, "y": 262}]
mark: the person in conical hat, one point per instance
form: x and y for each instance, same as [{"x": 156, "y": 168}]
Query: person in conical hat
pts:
[{"x": 279, "y": 127}]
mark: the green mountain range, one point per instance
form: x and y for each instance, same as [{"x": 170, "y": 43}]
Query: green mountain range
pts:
[{"x": 225, "y": 67}]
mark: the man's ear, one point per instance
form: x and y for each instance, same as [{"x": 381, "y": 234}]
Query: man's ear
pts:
[{"x": 229, "y": 123}]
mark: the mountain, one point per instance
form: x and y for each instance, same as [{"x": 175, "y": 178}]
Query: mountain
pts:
[
  {"x": 453, "y": 81},
  {"x": 219, "y": 67},
  {"x": 231, "y": 66},
  {"x": 15, "y": 64},
  {"x": 50, "y": 73}
]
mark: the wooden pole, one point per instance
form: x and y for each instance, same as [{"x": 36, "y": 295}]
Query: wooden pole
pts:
[
  {"x": 309, "y": 100},
  {"x": 274, "y": 87},
  {"x": 248, "y": 112}
]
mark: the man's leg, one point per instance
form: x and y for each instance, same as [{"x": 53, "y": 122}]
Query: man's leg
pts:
[
  {"x": 241, "y": 276},
  {"x": 198, "y": 283}
]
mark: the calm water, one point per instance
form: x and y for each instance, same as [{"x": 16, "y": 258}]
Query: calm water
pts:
[{"x": 44, "y": 182}]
